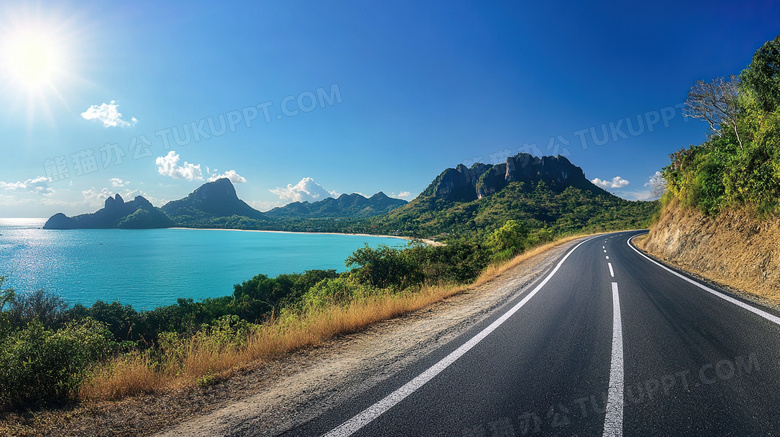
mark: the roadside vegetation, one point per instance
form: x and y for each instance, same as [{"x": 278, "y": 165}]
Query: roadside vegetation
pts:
[
  {"x": 739, "y": 165},
  {"x": 52, "y": 355}
]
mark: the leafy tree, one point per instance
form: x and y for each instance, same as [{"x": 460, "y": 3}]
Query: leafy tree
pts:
[
  {"x": 763, "y": 75},
  {"x": 122, "y": 320},
  {"x": 511, "y": 237},
  {"x": 40, "y": 305},
  {"x": 383, "y": 267}
]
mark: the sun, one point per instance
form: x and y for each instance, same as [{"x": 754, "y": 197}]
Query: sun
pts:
[
  {"x": 37, "y": 61},
  {"x": 33, "y": 59}
]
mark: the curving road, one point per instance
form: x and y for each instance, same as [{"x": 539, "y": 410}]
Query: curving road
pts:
[{"x": 607, "y": 343}]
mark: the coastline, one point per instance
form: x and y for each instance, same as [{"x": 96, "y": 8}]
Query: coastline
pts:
[{"x": 427, "y": 241}]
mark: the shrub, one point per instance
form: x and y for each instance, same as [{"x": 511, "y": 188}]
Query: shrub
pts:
[
  {"x": 511, "y": 237},
  {"x": 47, "y": 308},
  {"x": 384, "y": 267},
  {"x": 40, "y": 366}
]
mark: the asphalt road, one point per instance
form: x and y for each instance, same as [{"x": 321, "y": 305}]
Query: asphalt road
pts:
[{"x": 606, "y": 343}]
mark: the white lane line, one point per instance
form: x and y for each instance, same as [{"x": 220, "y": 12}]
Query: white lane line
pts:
[
  {"x": 772, "y": 318},
  {"x": 607, "y": 256},
  {"x": 369, "y": 414},
  {"x": 603, "y": 247},
  {"x": 611, "y": 272},
  {"x": 605, "y": 251},
  {"x": 613, "y": 422}
]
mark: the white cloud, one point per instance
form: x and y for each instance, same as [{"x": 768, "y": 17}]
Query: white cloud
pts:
[
  {"x": 616, "y": 182},
  {"x": 264, "y": 205},
  {"x": 303, "y": 191},
  {"x": 108, "y": 114},
  {"x": 657, "y": 185},
  {"x": 97, "y": 198},
  {"x": 636, "y": 195},
  {"x": 116, "y": 182},
  {"x": 169, "y": 166},
  {"x": 405, "y": 195},
  {"x": 37, "y": 185},
  {"x": 230, "y": 174}
]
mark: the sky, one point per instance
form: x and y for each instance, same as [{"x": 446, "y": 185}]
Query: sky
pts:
[{"x": 300, "y": 100}]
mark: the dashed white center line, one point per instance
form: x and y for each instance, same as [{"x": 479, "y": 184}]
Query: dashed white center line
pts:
[
  {"x": 613, "y": 422},
  {"x": 605, "y": 250},
  {"x": 611, "y": 272},
  {"x": 607, "y": 256}
]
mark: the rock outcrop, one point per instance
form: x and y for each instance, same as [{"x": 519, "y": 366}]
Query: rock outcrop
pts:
[
  {"x": 465, "y": 184},
  {"x": 734, "y": 248},
  {"x": 139, "y": 213},
  {"x": 211, "y": 200}
]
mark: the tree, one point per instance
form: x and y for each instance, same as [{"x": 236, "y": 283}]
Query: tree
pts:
[
  {"x": 715, "y": 102},
  {"x": 762, "y": 76},
  {"x": 48, "y": 308},
  {"x": 384, "y": 267},
  {"x": 510, "y": 237}
]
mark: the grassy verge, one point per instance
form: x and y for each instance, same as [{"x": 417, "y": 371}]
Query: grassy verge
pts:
[{"x": 206, "y": 361}]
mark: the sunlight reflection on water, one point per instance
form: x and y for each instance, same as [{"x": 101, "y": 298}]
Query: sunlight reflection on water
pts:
[{"x": 152, "y": 267}]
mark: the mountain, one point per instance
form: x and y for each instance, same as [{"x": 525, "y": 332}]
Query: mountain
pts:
[
  {"x": 540, "y": 192},
  {"x": 212, "y": 200},
  {"x": 462, "y": 201},
  {"x": 345, "y": 206},
  {"x": 139, "y": 213},
  {"x": 464, "y": 184}
]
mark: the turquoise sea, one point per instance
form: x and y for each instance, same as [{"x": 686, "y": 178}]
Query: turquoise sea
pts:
[{"x": 153, "y": 267}]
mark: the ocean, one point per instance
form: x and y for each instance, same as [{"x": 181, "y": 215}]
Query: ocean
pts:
[{"x": 153, "y": 267}]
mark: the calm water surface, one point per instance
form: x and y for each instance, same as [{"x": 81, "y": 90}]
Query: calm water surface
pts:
[{"x": 152, "y": 267}]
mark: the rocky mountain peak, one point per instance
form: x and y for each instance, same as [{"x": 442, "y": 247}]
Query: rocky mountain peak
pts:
[
  {"x": 113, "y": 202},
  {"x": 212, "y": 199},
  {"x": 219, "y": 189},
  {"x": 480, "y": 180}
]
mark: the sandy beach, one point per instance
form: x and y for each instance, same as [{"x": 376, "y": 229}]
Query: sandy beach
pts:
[{"x": 424, "y": 240}]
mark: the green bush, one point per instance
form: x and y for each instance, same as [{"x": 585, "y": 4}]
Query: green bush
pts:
[
  {"x": 384, "y": 267},
  {"x": 511, "y": 238},
  {"x": 40, "y": 366},
  {"x": 335, "y": 291}
]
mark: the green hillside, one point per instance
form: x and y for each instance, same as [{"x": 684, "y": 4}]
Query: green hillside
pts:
[
  {"x": 739, "y": 164},
  {"x": 539, "y": 192}
]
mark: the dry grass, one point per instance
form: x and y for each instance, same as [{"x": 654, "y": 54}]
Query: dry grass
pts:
[
  {"x": 133, "y": 375},
  {"x": 494, "y": 271},
  {"x": 126, "y": 376}
]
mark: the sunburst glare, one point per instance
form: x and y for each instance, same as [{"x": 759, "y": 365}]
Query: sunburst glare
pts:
[{"x": 35, "y": 63}]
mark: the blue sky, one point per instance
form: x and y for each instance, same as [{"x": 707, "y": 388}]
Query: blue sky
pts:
[{"x": 300, "y": 100}]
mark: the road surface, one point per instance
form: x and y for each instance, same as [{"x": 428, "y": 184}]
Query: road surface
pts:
[{"x": 607, "y": 343}]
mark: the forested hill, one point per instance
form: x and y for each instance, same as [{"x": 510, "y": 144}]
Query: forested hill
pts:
[
  {"x": 539, "y": 192},
  {"x": 345, "y": 206}
]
